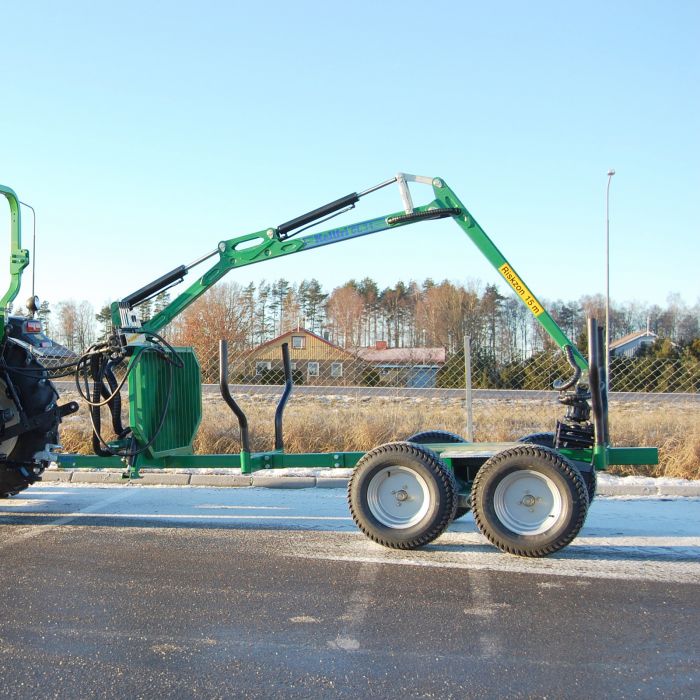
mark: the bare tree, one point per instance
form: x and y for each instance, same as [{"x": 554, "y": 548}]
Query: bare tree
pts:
[
  {"x": 344, "y": 310},
  {"x": 66, "y": 323}
]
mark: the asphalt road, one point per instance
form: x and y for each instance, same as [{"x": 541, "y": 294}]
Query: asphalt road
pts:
[{"x": 164, "y": 592}]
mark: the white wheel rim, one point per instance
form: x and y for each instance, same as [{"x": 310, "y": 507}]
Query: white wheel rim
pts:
[
  {"x": 398, "y": 497},
  {"x": 527, "y": 502}
]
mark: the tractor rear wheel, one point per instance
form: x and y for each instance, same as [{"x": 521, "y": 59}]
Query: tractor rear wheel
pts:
[
  {"x": 402, "y": 496},
  {"x": 19, "y": 466},
  {"x": 529, "y": 501}
]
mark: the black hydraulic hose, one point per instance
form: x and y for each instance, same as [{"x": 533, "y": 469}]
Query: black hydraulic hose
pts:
[
  {"x": 84, "y": 393},
  {"x": 424, "y": 214},
  {"x": 96, "y": 372},
  {"x": 163, "y": 348},
  {"x": 115, "y": 405},
  {"x": 564, "y": 384}
]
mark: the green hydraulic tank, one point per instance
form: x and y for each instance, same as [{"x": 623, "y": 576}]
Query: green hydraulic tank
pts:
[{"x": 166, "y": 401}]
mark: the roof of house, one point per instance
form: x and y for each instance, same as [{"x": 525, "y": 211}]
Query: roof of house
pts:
[
  {"x": 631, "y": 337},
  {"x": 416, "y": 356},
  {"x": 296, "y": 331}
]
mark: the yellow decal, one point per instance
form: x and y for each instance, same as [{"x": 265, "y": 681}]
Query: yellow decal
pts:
[{"x": 520, "y": 289}]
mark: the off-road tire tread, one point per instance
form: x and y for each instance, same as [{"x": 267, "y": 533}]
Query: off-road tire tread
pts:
[
  {"x": 439, "y": 471},
  {"x": 543, "y": 439},
  {"x": 19, "y": 470},
  {"x": 566, "y": 468},
  {"x": 591, "y": 480},
  {"x": 547, "y": 440},
  {"x": 427, "y": 436}
]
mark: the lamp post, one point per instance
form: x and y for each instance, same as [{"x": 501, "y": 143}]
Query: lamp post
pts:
[{"x": 611, "y": 172}]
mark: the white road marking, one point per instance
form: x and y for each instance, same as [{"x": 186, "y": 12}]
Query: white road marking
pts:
[
  {"x": 89, "y": 513},
  {"x": 489, "y": 640},
  {"x": 304, "y": 619},
  {"x": 642, "y": 569},
  {"x": 356, "y": 612},
  {"x": 36, "y": 531},
  {"x": 212, "y": 506}
]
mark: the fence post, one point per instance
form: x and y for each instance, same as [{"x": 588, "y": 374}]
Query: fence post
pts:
[{"x": 468, "y": 386}]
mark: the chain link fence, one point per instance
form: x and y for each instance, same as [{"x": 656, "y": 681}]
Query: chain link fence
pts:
[
  {"x": 432, "y": 370},
  {"x": 346, "y": 399},
  {"x": 491, "y": 400}
]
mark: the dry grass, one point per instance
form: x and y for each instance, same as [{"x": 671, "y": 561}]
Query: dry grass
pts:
[{"x": 326, "y": 424}]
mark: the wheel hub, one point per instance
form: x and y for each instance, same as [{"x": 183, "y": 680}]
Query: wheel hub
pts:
[
  {"x": 401, "y": 495},
  {"x": 528, "y": 502},
  {"x": 398, "y": 497}
]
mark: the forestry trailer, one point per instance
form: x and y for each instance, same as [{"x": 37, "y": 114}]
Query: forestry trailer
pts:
[{"x": 528, "y": 497}]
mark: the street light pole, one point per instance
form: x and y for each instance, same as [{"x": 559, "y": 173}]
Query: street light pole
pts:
[{"x": 611, "y": 172}]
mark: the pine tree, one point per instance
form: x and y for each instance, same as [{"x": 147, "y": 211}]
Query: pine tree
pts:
[
  {"x": 278, "y": 293},
  {"x": 248, "y": 301},
  {"x": 146, "y": 310},
  {"x": 491, "y": 302},
  {"x": 160, "y": 302},
  {"x": 43, "y": 315},
  {"x": 261, "y": 312},
  {"x": 312, "y": 298},
  {"x": 104, "y": 318}
]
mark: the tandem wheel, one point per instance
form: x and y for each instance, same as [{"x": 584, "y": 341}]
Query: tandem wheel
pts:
[
  {"x": 529, "y": 501},
  {"x": 402, "y": 496}
]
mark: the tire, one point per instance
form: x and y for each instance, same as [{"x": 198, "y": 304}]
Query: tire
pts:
[
  {"x": 428, "y": 436},
  {"x": 544, "y": 439},
  {"x": 591, "y": 480},
  {"x": 402, "y": 496},
  {"x": 18, "y": 465},
  {"x": 529, "y": 501}
]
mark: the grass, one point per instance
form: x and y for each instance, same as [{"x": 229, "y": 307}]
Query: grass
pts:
[{"x": 326, "y": 424}]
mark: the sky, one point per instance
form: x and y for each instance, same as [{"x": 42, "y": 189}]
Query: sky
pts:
[{"x": 145, "y": 133}]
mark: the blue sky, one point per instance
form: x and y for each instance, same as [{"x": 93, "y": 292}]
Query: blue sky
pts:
[{"x": 144, "y": 133}]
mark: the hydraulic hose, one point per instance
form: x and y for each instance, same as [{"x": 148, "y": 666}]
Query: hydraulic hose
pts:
[
  {"x": 96, "y": 372},
  {"x": 115, "y": 405}
]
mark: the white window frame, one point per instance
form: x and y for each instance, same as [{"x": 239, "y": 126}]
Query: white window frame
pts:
[
  {"x": 261, "y": 365},
  {"x": 317, "y": 365},
  {"x": 336, "y": 370},
  {"x": 302, "y": 342}
]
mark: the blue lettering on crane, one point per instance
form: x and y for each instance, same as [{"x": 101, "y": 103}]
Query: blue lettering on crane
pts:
[{"x": 342, "y": 233}]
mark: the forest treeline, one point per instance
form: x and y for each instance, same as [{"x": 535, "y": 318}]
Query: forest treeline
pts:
[{"x": 360, "y": 313}]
